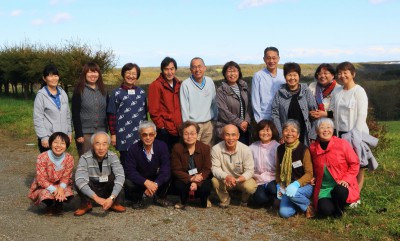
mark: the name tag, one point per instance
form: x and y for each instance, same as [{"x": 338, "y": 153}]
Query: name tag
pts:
[
  {"x": 131, "y": 92},
  {"x": 297, "y": 164},
  {"x": 193, "y": 171},
  {"x": 103, "y": 179}
]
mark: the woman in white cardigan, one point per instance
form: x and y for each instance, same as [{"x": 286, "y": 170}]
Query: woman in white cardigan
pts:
[{"x": 350, "y": 106}]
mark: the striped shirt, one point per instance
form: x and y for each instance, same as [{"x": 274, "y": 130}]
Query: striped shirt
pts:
[{"x": 236, "y": 90}]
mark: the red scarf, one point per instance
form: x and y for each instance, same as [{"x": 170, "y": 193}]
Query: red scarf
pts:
[{"x": 322, "y": 92}]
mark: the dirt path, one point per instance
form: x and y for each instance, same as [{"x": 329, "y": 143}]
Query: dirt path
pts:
[{"x": 21, "y": 221}]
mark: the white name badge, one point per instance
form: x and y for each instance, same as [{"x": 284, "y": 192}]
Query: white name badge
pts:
[
  {"x": 193, "y": 171},
  {"x": 103, "y": 179},
  {"x": 131, "y": 92},
  {"x": 297, "y": 164}
]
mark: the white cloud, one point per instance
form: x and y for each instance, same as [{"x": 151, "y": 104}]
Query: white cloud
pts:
[
  {"x": 56, "y": 2},
  {"x": 257, "y": 3},
  {"x": 377, "y": 1},
  {"x": 16, "y": 12},
  {"x": 61, "y": 17},
  {"x": 37, "y": 22}
]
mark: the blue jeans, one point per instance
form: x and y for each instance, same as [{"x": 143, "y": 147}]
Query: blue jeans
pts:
[
  {"x": 301, "y": 200},
  {"x": 265, "y": 194}
]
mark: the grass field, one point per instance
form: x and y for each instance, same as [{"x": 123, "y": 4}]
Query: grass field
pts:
[{"x": 378, "y": 217}]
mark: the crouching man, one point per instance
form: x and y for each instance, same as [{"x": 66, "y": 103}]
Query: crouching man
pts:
[{"x": 99, "y": 176}]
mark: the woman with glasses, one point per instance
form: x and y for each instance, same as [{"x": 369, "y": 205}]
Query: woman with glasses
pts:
[
  {"x": 233, "y": 102},
  {"x": 191, "y": 166},
  {"x": 126, "y": 109}
]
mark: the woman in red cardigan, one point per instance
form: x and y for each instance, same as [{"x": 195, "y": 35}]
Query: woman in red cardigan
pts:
[{"x": 336, "y": 166}]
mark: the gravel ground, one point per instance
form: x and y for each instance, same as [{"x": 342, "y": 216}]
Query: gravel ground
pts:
[{"x": 19, "y": 220}]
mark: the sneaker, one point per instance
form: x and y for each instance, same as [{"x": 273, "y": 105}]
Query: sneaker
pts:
[
  {"x": 310, "y": 212},
  {"x": 85, "y": 207},
  {"x": 163, "y": 202},
  {"x": 49, "y": 211},
  {"x": 139, "y": 204},
  {"x": 58, "y": 209},
  {"x": 116, "y": 207},
  {"x": 179, "y": 205},
  {"x": 243, "y": 204},
  {"x": 209, "y": 205},
  {"x": 355, "y": 204},
  {"x": 225, "y": 203}
]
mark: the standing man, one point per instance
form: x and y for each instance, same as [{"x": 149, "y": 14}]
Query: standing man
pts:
[
  {"x": 148, "y": 168},
  {"x": 265, "y": 84},
  {"x": 233, "y": 167},
  {"x": 197, "y": 97},
  {"x": 164, "y": 105},
  {"x": 99, "y": 176}
]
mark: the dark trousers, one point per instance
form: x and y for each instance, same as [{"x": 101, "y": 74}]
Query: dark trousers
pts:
[
  {"x": 134, "y": 192},
  {"x": 203, "y": 191},
  {"x": 102, "y": 189},
  {"x": 333, "y": 206},
  {"x": 169, "y": 139},
  {"x": 123, "y": 155},
  {"x": 265, "y": 194},
  {"x": 244, "y": 137},
  {"x": 41, "y": 148}
]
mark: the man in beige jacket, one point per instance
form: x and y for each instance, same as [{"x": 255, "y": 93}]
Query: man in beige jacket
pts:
[{"x": 233, "y": 167}]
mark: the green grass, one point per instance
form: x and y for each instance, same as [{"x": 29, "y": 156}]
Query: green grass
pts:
[{"x": 378, "y": 217}]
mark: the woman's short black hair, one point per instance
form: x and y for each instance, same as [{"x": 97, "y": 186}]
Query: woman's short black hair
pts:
[
  {"x": 128, "y": 67},
  {"x": 50, "y": 69},
  {"x": 62, "y": 136},
  {"x": 266, "y": 123},
  {"x": 291, "y": 67},
  {"x": 325, "y": 66},
  {"x": 166, "y": 61},
  {"x": 231, "y": 64}
]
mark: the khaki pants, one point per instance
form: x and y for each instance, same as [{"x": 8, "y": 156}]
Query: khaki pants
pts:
[
  {"x": 206, "y": 133},
  {"x": 247, "y": 188}
]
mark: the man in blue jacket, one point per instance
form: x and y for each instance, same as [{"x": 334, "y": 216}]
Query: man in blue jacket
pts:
[{"x": 147, "y": 168}]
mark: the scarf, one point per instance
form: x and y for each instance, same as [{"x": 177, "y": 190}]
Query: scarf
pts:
[
  {"x": 322, "y": 92},
  {"x": 286, "y": 166}
]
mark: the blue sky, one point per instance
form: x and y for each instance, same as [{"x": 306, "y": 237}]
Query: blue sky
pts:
[{"x": 145, "y": 31}]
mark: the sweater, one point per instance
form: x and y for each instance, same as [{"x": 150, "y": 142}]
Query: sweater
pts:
[
  {"x": 264, "y": 156},
  {"x": 164, "y": 105},
  {"x": 238, "y": 164},
  {"x": 198, "y": 104},
  {"x": 88, "y": 170},
  {"x": 341, "y": 162},
  {"x": 89, "y": 111},
  {"x": 138, "y": 168},
  {"x": 47, "y": 118}
]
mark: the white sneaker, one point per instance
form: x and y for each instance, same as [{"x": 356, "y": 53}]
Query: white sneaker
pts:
[{"x": 355, "y": 204}]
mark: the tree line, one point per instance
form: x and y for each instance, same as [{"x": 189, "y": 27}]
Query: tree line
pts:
[{"x": 22, "y": 64}]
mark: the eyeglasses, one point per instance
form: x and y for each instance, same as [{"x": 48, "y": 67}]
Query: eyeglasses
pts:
[
  {"x": 196, "y": 67},
  {"x": 271, "y": 58},
  {"x": 325, "y": 127},
  {"x": 144, "y": 135},
  {"x": 232, "y": 71},
  {"x": 130, "y": 73},
  {"x": 190, "y": 133}
]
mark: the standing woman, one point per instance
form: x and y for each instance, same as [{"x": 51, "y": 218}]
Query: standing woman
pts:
[
  {"x": 264, "y": 155},
  {"x": 52, "y": 184},
  {"x": 126, "y": 109},
  {"x": 294, "y": 101},
  {"x": 350, "y": 106},
  {"x": 323, "y": 89},
  {"x": 89, "y": 103},
  {"x": 233, "y": 102},
  {"x": 51, "y": 109}
]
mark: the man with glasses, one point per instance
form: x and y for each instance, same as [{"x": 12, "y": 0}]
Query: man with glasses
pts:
[
  {"x": 197, "y": 96},
  {"x": 147, "y": 169},
  {"x": 265, "y": 84}
]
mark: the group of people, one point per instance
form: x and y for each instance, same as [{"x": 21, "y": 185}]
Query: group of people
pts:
[{"x": 199, "y": 139}]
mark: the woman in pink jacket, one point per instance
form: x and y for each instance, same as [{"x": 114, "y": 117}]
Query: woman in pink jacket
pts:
[{"x": 336, "y": 166}]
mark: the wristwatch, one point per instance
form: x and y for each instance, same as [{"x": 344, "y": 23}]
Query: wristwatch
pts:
[{"x": 112, "y": 197}]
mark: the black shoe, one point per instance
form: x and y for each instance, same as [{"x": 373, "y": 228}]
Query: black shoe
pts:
[
  {"x": 139, "y": 204},
  {"x": 163, "y": 202}
]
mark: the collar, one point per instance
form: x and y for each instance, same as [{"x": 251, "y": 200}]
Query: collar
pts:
[
  {"x": 50, "y": 94},
  {"x": 203, "y": 82},
  {"x": 124, "y": 87}
]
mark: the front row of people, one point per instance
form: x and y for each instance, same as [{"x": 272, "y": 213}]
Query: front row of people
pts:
[{"x": 265, "y": 171}]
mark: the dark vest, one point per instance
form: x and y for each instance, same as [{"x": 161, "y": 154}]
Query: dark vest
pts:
[{"x": 297, "y": 154}]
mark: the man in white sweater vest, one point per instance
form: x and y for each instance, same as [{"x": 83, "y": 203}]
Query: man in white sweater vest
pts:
[
  {"x": 233, "y": 167},
  {"x": 197, "y": 97}
]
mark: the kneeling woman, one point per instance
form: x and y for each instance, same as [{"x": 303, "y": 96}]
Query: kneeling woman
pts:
[
  {"x": 191, "y": 166},
  {"x": 52, "y": 184},
  {"x": 336, "y": 167},
  {"x": 294, "y": 172}
]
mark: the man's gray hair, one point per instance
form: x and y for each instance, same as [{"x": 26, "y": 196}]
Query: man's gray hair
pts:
[
  {"x": 145, "y": 125},
  {"x": 196, "y": 58},
  {"x": 100, "y": 133},
  {"x": 292, "y": 122},
  {"x": 324, "y": 120}
]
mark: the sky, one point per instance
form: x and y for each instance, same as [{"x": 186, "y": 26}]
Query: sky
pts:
[{"x": 146, "y": 31}]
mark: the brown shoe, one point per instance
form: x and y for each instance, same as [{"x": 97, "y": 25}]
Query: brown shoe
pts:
[
  {"x": 116, "y": 207},
  {"x": 85, "y": 207},
  {"x": 310, "y": 212}
]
